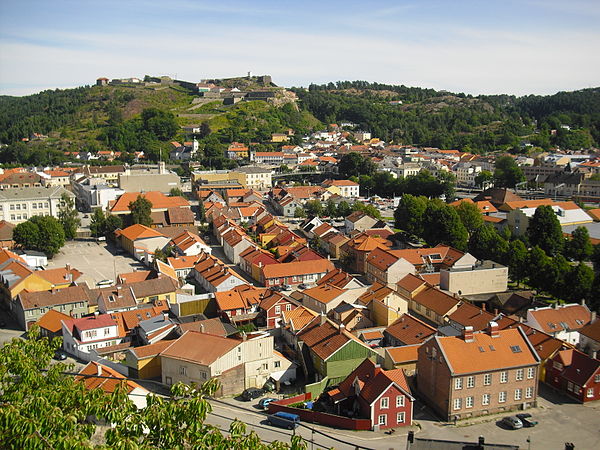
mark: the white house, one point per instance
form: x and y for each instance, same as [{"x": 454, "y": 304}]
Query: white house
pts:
[
  {"x": 562, "y": 322},
  {"x": 80, "y": 336}
]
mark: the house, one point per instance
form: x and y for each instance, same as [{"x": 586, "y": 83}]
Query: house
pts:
[
  {"x": 51, "y": 323},
  {"x": 173, "y": 217},
  {"x": 407, "y": 330},
  {"x": 384, "y": 303},
  {"x": 478, "y": 373},
  {"x": 292, "y": 322},
  {"x": 425, "y": 301},
  {"x": 333, "y": 243},
  {"x": 329, "y": 353},
  {"x": 345, "y": 188},
  {"x": 213, "y": 275},
  {"x": 236, "y": 242},
  {"x": 294, "y": 273},
  {"x": 253, "y": 259},
  {"x": 589, "y": 338},
  {"x": 239, "y": 304},
  {"x": 99, "y": 376},
  {"x": 383, "y": 396},
  {"x": 141, "y": 241},
  {"x": 356, "y": 250},
  {"x": 325, "y": 297},
  {"x": 567, "y": 213},
  {"x": 271, "y": 308},
  {"x": 19, "y": 204},
  {"x": 30, "y": 307},
  {"x": 341, "y": 279},
  {"x": 155, "y": 329},
  {"x": 182, "y": 265},
  {"x": 81, "y": 336},
  {"x": 160, "y": 202},
  {"x": 125, "y": 297},
  {"x": 404, "y": 357},
  {"x": 469, "y": 315},
  {"x": 561, "y": 321},
  {"x": 237, "y": 363},
  {"x": 6, "y": 235},
  {"x": 144, "y": 361},
  {"x": 351, "y": 316},
  {"x": 359, "y": 221},
  {"x": 575, "y": 374}
]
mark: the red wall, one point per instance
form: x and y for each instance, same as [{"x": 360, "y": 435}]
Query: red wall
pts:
[{"x": 392, "y": 411}]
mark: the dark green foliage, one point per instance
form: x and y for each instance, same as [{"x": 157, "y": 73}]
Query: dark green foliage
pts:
[
  {"x": 368, "y": 209},
  {"x": 539, "y": 267},
  {"x": 330, "y": 209},
  {"x": 26, "y": 235},
  {"x": 299, "y": 212},
  {"x": 68, "y": 217},
  {"x": 343, "y": 209},
  {"x": 579, "y": 247},
  {"x": 409, "y": 214},
  {"x": 442, "y": 225},
  {"x": 314, "y": 208},
  {"x": 163, "y": 254},
  {"x": 98, "y": 223},
  {"x": 161, "y": 124},
  {"x": 487, "y": 243},
  {"x": 517, "y": 260},
  {"x": 470, "y": 216},
  {"x": 354, "y": 164},
  {"x": 175, "y": 192},
  {"x": 580, "y": 283},
  {"x": 507, "y": 173},
  {"x": 113, "y": 222},
  {"x": 485, "y": 176},
  {"x": 141, "y": 210},
  {"x": 41, "y": 233},
  {"x": 544, "y": 230}
]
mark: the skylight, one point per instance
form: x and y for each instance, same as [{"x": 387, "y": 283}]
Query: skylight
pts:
[
  {"x": 481, "y": 349},
  {"x": 515, "y": 348},
  {"x": 492, "y": 348}
]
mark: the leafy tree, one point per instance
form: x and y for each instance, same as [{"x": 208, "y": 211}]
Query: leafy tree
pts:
[
  {"x": 113, "y": 223},
  {"x": 313, "y": 208},
  {"x": 98, "y": 223},
  {"x": 596, "y": 257},
  {"x": 26, "y": 235},
  {"x": 141, "y": 209},
  {"x": 580, "y": 283},
  {"x": 41, "y": 233},
  {"x": 354, "y": 164},
  {"x": 487, "y": 243},
  {"x": 545, "y": 231},
  {"x": 579, "y": 247},
  {"x": 538, "y": 265},
  {"x": 517, "y": 261},
  {"x": 443, "y": 226},
  {"x": 343, "y": 209},
  {"x": 161, "y": 124},
  {"x": 507, "y": 173},
  {"x": 470, "y": 216},
  {"x": 202, "y": 212},
  {"x": 299, "y": 212},
  {"x": 331, "y": 208},
  {"x": 175, "y": 192},
  {"x": 410, "y": 214},
  {"x": 556, "y": 277},
  {"x": 163, "y": 254},
  {"x": 485, "y": 176},
  {"x": 68, "y": 217},
  {"x": 44, "y": 407},
  {"x": 368, "y": 209}
]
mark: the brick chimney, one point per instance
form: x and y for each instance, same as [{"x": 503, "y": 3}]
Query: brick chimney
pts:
[
  {"x": 98, "y": 369},
  {"x": 493, "y": 329},
  {"x": 468, "y": 334},
  {"x": 322, "y": 319},
  {"x": 342, "y": 328},
  {"x": 119, "y": 292}
]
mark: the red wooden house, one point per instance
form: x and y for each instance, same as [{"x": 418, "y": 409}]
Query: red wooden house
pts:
[
  {"x": 574, "y": 374},
  {"x": 383, "y": 396},
  {"x": 271, "y": 308}
]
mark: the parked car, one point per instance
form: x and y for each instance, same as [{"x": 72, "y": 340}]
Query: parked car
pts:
[
  {"x": 512, "y": 422},
  {"x": 286, "y": 287},
  {"x": 527, "y": 420},
  {"x": 303, "y": 286},
  {"x": 104, "y": 283},
  {"x": 277, "y": 288},
  {"x": 284, "y": 420},
  {"x": 264, "y": 403},
  {"x": 60, "y": 356},
  {"x": 251, "y": 393}
]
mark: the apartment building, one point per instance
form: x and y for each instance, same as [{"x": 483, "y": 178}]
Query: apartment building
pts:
[{"x": 20, "y": 204}]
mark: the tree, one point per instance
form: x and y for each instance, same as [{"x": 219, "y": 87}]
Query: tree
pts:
[
  {"x": 579, "y": 247},
  {"x": 487, "y": 243},
  {"x": 68, "y": 217},
  {"x": 299, "y": 213},
  {"x": 507, "y": 173},
  {"x": 483, "y": 177},
  {"x": 163, "y": 254},
  {"x": 369, "y": 210},
  {"x": 409, "y": 215},
  {"x": 354, "y": 164},
  {"x": 98, "y": 223},
  {"x": 26, "y": 235},
  {"x": 41, "y": 233},
  {"x": 141, "y": 210},
  {"x": 545, "y": 231},
  {"x": 581, "y": 280},
  {"x": 538, "y": 265},
  {"x": 517, "y": 261},
  {"x": 331, "y": 208},
  {"x": 113, "y": 223},
  {"x": 43, "y": 406},
  {"x": 162, "y": 124},
  {"x": 313, "y": 208},
  {"x": 202, "y": 212},
  {"x": 175, "y": 192},
  {"x": 443, "y": 226},
  {"x": 470, "y": 216},
  {"x": 343, "y": 209}
]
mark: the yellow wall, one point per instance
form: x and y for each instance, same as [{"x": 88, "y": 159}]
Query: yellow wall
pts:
[
  {"x": 32, "y": 283},
  {"x": 169, "y": 297},
  {"x": 383, "y": 316},
  {"x": 149, "y": 367}
]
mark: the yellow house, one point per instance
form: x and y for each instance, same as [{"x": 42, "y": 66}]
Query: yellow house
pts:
[
  {"x": 144, "y": 362},
  {"x": 279, "y": 137},
  {"x": 385, "y": 304},
  {"x": 153, "y": 290}
]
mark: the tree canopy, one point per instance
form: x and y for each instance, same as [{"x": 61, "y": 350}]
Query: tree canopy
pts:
[
  {"x": 507, "y": 173},
  {"x": 545, "y": 231},
  {"x": 141, "y": 210},
  {"x": 68, "y": 217},
  {"x": 41, "y": 233}
]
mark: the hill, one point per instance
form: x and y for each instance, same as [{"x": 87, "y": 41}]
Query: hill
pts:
[{"x": 442, "y": 119}]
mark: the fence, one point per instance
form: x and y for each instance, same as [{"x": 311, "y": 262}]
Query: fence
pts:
[{"x": 321, "y": 418}]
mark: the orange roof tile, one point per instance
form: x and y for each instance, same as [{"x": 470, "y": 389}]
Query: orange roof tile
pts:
[
  {"x": 158, "y": 200},
  {"x": 200, "y": 348},
  {"x": 410, "y": 330},
  {"x": 60, "y": 275},
  {"x": 297, "y": 268},
  {"x": 564, "y": 317},
  {"x": 52, "y": 320},
  {"x": 138, "y": 231},
  {"x": 404, "y": 354},
  {"x": 324, "y": 293},
  {"x": 90, "y": 377}
]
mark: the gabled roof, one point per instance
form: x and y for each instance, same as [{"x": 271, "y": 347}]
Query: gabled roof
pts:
[
  {"x": 544, "y": 344},
  {"x": 240, "y": 297},
  {"x": 591, "y": 331},
  {"x": 199, "y": 348},
  {"x": 138, "y": 231},
  {"x": 155, "y": 286},
  {"x": 298, "y": 318},
  {"x": 147, "y": 351},
  {"x": 404, "y": 353},
  {"x": 324, "y": 293},
  {"x": 297, "y": 268},
  {"x": 337, "y": 277},
  {"x": 41, "y": 299},
  {"x": 562, "y": 318},
  {"x": 436, "y": 300},
  {"x": 52, "y": 321},
  {"x": 411, "y": 283},
  {"x": 158, "y": 200},
  {"x": 95, "y": 375},
  {"x": 208, "y": 326},
  {"x": 376, "y": 292},
  {"x": 135, "y": 277},
  {"x": 470, "y": 315},
  {"x": 578, "y": 367},
  {"x": 486, "y": 353},
  {"x": 273, "y": 298},
  {"x": 410, "y": 330},
  {"x": 60, "y": 275}
]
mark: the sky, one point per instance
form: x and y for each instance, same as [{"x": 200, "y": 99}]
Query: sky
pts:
[{"x": 474, "y": 46}]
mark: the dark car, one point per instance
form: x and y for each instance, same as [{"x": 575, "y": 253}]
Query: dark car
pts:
[
  {"x": 284, "y": 420},
  {"x": 264, "y": 402},
  {"x": 60, "y": 356},
  {"x": 251, "y": 393},
  {"x": 527, "y": 420},
  {"x": 512, "y": 422}
]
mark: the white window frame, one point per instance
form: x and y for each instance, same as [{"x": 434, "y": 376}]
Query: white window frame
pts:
[
  {"x": 519, "y": 375},
  {"x": 504, "y": 376},
  {"x": 590, "y": 392},
  {"x": 384, "y": 403},
  {"x": 530, "y": 373},
  {"x": 399, "y": 401},
  {"x": 382, "y": 419},
  {"x": 487, "y": 379},
  {"x": 502, "y": 397},
  {"x": 458, "y": 383},
  {"x": 518, "y": 394},
  {"x": 529, "y": 392},
  {"x": 485, "y": 399},
  {"x": 400, "y": 417},
  {"x": 469, "y": 402},
  {"x": 470, "y": 382},
  {"x": 457, "y": 404}
]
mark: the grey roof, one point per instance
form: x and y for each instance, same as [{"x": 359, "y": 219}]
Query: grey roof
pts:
[
  {"x": 34, "y": 193},
  {"x": 154, "y": 323},
  {"x": 435, "y": 444},
  {"x": 592, "y": 227},
  {"x": 252, "y": 169}
]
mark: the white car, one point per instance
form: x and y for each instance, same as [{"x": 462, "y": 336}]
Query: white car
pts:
[{"x": 105, "y": 283}]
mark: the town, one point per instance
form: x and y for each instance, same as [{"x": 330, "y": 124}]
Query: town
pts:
[{"x": 384, "y": 295}]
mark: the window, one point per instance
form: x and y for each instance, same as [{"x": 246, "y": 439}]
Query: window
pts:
[
  {"x": 518, "y": 394},
  {"x": 596, "y": 378},
  {"x": 384, "y": 403},
  {"x": 487, "y": 379},
  {"x": 399, "y": 401},
  {"x": 457, "y": 403},
  {"x": 277, "y": 309},
  {"x": 570, "y": 386},
  {"x": 503, "y": 377},
  {"x": 18, "y": 206},
  {"x": 519, "y": 374},
  {"x": 204, "y": 375},
  {"x": 182, "y": 370},
  {"x": 288, "y": 307},
  {"x": 529, "y": 392},
  {"x": 470, "y": 381},
  {"x": 485, "y": 399},
  {"x": 34, "y": 205},
  {"x": 400, "y": 417},
  {"x": 277, "y": 364},
  {"x": 530, "y": 373},
  {"x": 502, "y": 397},
  {"x": 265, "y": 366},
  {"x": 469, "y": 402},
  {"x": 458, "y": 383},
  {"x": 12, "y": 207},
  {"x": 382, "y": 420},
  {"x": 590, "y": 392}
]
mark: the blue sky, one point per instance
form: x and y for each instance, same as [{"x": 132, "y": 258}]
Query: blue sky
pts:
[{"x": 486, "y": 46}]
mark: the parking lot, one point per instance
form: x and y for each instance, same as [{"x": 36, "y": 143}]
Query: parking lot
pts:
[{"x": 97, "y": 260}]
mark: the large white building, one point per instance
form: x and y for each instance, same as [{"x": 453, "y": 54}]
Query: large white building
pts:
[{"x": 20, "y": 204}]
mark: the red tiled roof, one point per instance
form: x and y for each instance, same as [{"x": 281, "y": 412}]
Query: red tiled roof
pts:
[
  {"x": 158, "y": 200},
  {"x": 567, "y": 317},
  {"x": 200, "y": 348},
  {"x": 578, "y": 367},
  {"x": 410, "y": 330},
  {"x": 297, "y": 268},
  {"x": 52, "y": 320},
  {"x": 470, "y": 315},
  {"x": 404, "y": 354}
]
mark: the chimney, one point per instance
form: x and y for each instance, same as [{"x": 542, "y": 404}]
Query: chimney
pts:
[
  {"x": 119, "y": 292},
  {"x": 342, "y": 328},
  {"x": 98, "y": 369},
  {"x": 96, "y": 313},
  {"x": 201, "y": 328},
  {"x": 468, "y": 334},
  {"x": 323, "y": 318},
  {"x": 68, "y": 267},
  {"x": 165, "y": 316},
  {"x": 483, "y": 307},
  {"x": 244, "y": 336},
  {"x": 493, "y": 327}
]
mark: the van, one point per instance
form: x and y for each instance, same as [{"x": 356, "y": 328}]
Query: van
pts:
[{"x": 284, "y": 420}]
